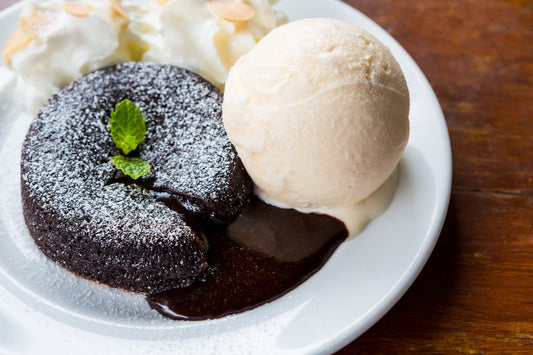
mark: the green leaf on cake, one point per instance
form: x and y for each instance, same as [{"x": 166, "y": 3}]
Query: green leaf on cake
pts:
[
  {"x": 127, "y": 126},
  {"x": 133, "y": 167}
]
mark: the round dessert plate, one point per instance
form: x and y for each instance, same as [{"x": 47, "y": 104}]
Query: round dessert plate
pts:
[{"x": 46, "y": 310}]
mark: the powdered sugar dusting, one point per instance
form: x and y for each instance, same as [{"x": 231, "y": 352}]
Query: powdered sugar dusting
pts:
[{"x": 102, "y": 228}]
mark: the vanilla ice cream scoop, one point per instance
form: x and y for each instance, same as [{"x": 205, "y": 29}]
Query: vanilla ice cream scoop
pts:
[{"x": 318, "y": 112}]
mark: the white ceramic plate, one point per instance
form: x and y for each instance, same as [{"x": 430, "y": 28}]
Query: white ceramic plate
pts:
[{"x": 44, "y": 309}]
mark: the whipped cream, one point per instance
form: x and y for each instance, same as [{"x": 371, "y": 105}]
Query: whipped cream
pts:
[
  {"x": 63, "y": 46},
  {"x": 196, "y": 36},
  {"x": 59, "y": 41}
]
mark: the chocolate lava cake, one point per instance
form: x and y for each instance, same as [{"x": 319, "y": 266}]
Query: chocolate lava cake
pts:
[{"x": 109, "y": 228}]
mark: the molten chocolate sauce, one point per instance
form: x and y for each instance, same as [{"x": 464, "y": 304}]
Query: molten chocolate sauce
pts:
[{"x": 262, "y": 255}]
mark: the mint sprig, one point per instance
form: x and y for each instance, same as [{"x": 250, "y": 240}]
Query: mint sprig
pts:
[{"x": 128, "y": 127}]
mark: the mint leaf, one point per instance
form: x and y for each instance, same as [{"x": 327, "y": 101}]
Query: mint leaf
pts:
[
  {"x": 133, "y": 167},
  {"x": 127, "y": 126}
]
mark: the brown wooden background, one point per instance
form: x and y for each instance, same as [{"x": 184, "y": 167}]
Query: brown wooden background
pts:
[{"x": 475, "y": 294}]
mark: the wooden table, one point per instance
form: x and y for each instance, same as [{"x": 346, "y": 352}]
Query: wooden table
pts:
[{"x": 475, "y": 294}]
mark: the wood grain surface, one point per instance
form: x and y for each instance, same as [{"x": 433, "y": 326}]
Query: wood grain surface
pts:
[{"x": 475, "y": 294}]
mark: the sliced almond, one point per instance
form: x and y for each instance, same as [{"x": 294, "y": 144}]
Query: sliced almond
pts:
[
  {"x": 78, "y": 9},
  {"x": 117, "y": 8},
  {"x": 15, "y": 43},
  {"x": 162, "y": 2},
  {"x": 232, "y": 10},
  {"x": 33, "y": 24}
]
